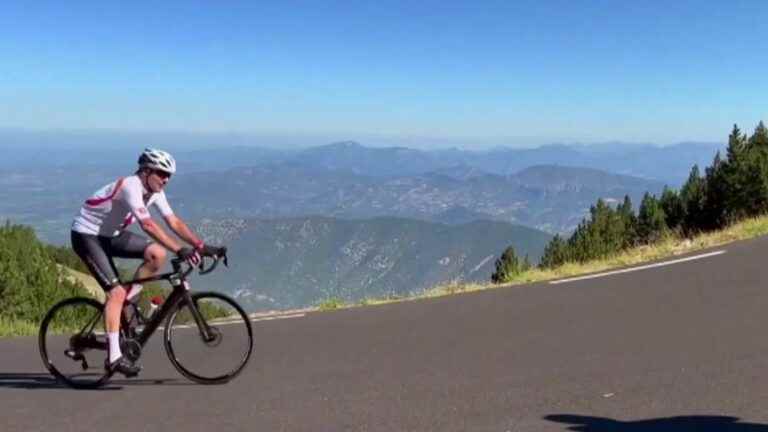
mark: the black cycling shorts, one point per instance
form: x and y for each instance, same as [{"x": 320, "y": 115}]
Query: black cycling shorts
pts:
[{"x": 97, "y": 252}]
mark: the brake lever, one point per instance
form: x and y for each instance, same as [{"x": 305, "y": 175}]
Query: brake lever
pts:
[{"x": 223, "y": 254}]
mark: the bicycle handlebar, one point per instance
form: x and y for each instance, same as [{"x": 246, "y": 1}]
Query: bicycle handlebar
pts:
[{"x": 221, "y": 253}]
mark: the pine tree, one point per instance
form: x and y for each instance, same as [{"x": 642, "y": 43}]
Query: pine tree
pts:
[
  {"x": 737, "y": 143},
  {"x": 692, "y": 195},
  {"x": 734, "y": 177},
  {"x": 600, "y": 229},
  {"x": 582, "y": 243},
  {"x": 749, "y": 180},
  {"x": 555, "y": 254},
  {"x": 651, "y": 221},
  {"x": 715, "y": 195},
  {"x": 507, "y": 266},
  {"x": 674, "y": 208},
  {"x": 759, "y": 139},
  {"x": 628, "y": 221}
]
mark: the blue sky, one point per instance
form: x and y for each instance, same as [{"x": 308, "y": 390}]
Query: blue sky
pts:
[{"x": 474, "y": 72}]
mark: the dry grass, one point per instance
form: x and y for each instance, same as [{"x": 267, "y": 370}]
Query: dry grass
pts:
[{"x": 88, "y": 282}]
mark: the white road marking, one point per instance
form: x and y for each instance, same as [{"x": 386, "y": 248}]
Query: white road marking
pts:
[
  {"x": 236, "y": 321},
  {"x": 627, "y": 270},
  {"x": 267, "y": 318}
]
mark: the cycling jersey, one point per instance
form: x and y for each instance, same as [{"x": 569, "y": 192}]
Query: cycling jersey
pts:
[{"x": 115, "y": 206}]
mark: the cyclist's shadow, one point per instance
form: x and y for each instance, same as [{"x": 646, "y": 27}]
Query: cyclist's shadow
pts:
[
  {"x": 35, "y": 381},
  {"x": 671, "y": 424}
]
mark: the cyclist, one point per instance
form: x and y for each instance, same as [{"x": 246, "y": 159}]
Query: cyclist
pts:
[{"x": 99, "y": 234}]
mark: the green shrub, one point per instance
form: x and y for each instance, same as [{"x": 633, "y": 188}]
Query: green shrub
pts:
[{"x": 30, "y": 280}]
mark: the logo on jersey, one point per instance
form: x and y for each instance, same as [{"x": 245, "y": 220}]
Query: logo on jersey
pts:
[{"x": 142, "y": 211}]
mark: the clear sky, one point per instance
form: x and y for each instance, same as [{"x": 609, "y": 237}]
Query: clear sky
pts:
[{"x": 516, "y": 72}]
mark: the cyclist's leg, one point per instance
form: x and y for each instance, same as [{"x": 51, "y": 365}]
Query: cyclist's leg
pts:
[
  {"x": 94, "y": 251},
  {"x": 154, "y": 258},
  {"x": 137, "y": 246},
  {"x": 112, "y": 310},
  {"x": 91, "y": 250}
]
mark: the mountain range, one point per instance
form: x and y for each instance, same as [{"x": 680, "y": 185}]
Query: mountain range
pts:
[
  {"x": 118, "y": 152},
  {"x": 550, "y": 198},
  {"x": 669, "y": 164}
]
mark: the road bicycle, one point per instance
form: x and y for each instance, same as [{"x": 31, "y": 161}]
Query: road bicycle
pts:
[{"x": 207, "y": 336}]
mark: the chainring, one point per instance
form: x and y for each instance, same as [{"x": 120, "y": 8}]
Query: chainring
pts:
[{"x": 131, "y": 349}]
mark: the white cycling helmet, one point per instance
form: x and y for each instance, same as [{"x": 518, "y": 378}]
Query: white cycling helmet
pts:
[{"x": 157, "y": 159}]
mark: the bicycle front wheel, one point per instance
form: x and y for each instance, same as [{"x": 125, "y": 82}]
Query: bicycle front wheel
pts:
[
  {"x": 213, "y": 355},
  {"x": 73, "y": 343}
]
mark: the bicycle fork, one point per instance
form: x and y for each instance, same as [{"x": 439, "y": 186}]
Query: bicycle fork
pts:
[{"x": 206, "y": 334}]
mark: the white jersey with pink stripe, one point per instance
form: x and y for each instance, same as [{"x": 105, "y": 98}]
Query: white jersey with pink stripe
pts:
[{"x": 115, "y": 206}]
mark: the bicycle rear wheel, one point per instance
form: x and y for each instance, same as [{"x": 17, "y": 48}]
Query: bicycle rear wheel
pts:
[
  {"x": 73, "y": 343},
  {"x": 218, "y": 359}
]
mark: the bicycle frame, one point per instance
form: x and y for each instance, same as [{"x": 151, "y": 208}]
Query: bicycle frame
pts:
[{"x": 180, "y": 293}]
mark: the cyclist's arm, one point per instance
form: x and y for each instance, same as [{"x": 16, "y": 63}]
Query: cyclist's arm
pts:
[
  {"x": 183, "y": 231},
  {"x": 156, "y": 232},
  {"x": 131, "y": 193}
]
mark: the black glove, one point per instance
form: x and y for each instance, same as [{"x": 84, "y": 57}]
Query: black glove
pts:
[
  {"x": 189, "y": 255},
  {"x": 210, "y": 251}
]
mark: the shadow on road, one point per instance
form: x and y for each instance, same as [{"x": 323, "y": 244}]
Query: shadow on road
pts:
[
  {"x": 671, "y": 424},
  {"x": 32, "y": 381}
]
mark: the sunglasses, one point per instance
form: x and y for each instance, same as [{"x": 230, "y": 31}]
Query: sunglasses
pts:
[{"x": 161, "y": 174}]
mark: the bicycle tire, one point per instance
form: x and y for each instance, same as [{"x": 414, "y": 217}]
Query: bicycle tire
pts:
[
  {"x": 48, "y": 335},
  {"x": 172, "y": 353}
]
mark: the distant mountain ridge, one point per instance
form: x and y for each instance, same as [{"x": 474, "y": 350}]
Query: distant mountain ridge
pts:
[
  {"x": 670, "y": 164},
  {"x": 549, "y": 197}
]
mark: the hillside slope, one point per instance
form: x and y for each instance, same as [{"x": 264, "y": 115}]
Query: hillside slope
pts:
[{"x": 288, "y": 263}]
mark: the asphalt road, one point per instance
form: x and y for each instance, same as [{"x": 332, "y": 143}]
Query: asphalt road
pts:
[{"x": 674, "y": 348}]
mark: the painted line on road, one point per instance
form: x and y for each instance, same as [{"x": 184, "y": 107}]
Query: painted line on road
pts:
[
  {"x": 661, "y": 264},
  {"x": 268, "y": 318},
  {"x": 225, "y": 322}
]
